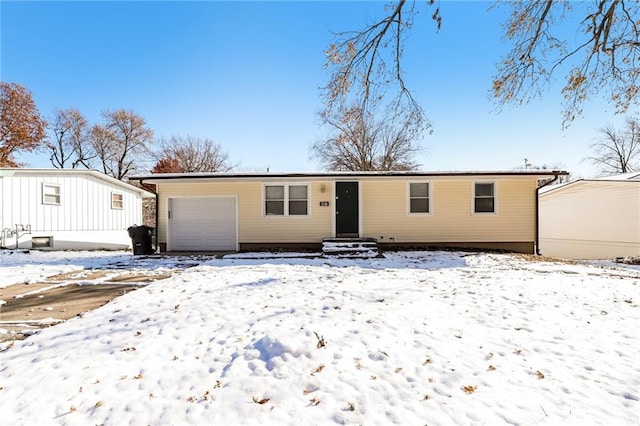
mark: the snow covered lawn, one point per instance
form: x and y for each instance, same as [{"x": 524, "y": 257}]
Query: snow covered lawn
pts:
[{"x": 416, "y": 338}]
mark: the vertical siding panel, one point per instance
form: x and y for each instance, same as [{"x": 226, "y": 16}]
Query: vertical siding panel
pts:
[
  {"x": 3, "y": 210},
  {"x": 85, "y": 206},
  {"x": 72, "y": 205},
  {"x": 24, "y": 217},
  {"x": 81, "y": 204}
]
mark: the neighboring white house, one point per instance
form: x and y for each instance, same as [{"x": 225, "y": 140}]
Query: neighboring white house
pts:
[
  {"x": 591, "y": 218},
  {"x": 67, "y": 209}
]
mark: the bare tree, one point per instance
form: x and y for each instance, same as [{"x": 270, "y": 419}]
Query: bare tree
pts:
[
  {"x": 362, "y": 143},
  {"x": 22, "y": 128},
  {"x": 121, "y": 142},
  {"x": 618, "y": 151},
  {"x": 366, "y": 66},
  {"x": 605, "y": 52},
  {"x": 600, "y": 57},
  {"x": 71, "y": 147},
  {"x": 187, "y": 154}
]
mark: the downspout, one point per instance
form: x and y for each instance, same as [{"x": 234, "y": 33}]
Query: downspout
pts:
[
  {"x": 537, "y": 239},
  {"x": 155, "y": 228}
]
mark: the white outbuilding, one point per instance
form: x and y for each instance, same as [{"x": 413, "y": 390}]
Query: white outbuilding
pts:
[
  {"x": 67, "y": 209},
  {"x": 591, "y": 218}
]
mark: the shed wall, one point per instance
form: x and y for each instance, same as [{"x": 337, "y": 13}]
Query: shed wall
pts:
[
  {"x": 591, "y": 220},
  {"x": 84, "y": 211}
]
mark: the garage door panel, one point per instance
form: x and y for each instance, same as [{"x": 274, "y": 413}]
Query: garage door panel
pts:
[{"x": 203, "y": 223}]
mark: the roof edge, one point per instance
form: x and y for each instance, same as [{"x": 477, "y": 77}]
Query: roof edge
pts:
[
  {"x": 562, "y": 186},
  {"x": 178, "y": 176},
  {"x": 12, "y": 171}
]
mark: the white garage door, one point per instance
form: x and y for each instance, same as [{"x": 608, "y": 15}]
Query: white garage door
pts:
[{"x": 202, "y": 224}]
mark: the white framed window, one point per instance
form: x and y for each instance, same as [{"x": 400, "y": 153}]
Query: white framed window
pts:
[
  {"x": 117, "y": 201},
  {"x": 484, "y": 197},
  {"x": 286, "y": 200},
  {"x": 419, "y": 197},
  {"x": 51, "y": 193}
]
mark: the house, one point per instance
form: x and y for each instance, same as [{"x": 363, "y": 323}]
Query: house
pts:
[
  {"x": 67, "y": 209},
  {"x": 591, "y": 218},
  {"x": 253, "y": 211}
]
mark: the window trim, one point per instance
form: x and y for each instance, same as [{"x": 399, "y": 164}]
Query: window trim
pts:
[
  {"x": 286, "y": 199},
  {"x": 429, "y": 197},
  {"x": 57, "y": 193},
  {"x": 113, "y": 202},
  {"x": 495, "y": 197}
]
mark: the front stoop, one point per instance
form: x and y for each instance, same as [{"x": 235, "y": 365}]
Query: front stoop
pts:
[{"x": 350, "y": 247}]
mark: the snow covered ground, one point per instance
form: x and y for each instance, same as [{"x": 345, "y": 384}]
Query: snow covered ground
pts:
[{"x": 417, "y": 338}]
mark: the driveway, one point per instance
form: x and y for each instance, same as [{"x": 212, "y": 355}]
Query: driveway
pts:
[{"x": 29, "y": 307}]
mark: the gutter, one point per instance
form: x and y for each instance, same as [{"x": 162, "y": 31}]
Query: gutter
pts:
[
  {"x": 155, "y": 228},
  {"x": 537, "y": 238}
]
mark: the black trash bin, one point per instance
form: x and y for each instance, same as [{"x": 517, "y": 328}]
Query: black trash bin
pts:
[{"x": 141, "y": 237}]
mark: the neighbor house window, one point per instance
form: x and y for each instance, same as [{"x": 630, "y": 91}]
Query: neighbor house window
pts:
[
  {"x": 286, "y": 200},
  {"x": 419, "y": 197},
  {"x": 484, "y": 199},
  {"x": 117, "y": 201},
  {"x": 50, "y": 193}
]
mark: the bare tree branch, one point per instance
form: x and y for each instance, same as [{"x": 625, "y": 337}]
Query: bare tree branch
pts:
[
  {"x": 366, "y": 69},
  {"x": 362, "y": 143},
  {"x": 121, "y": 142},
  {"x": 606, "y": 57},
  {"x": 72, "y": 146},
  {"x": 188, "y": 154},
  {"x": 618, "y": 151}
]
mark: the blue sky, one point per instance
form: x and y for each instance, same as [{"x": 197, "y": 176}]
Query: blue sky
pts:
[{"x": 247, "y": 75}]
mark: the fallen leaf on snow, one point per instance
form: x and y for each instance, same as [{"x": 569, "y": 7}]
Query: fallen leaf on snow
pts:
[
  {"x": 260, "y": 401},
  {"x": 469, "y": 389}
]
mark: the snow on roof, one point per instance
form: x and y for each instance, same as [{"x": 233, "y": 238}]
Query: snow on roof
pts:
[
  {"x": 622, "y": 176},
  {"x": 549, "y": 188}
]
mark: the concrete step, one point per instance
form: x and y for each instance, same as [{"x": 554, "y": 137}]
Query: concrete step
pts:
[{"x": 350, "y": 247}]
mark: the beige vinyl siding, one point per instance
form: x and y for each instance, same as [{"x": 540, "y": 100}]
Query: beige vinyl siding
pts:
[
  {"x": 385, "y": 212},
  {"x": 253, "y": 225},
  {"x": 591, "y": 220}
]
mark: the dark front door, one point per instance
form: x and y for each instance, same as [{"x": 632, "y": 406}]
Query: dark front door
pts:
[{"x": 347, "y": 209}]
